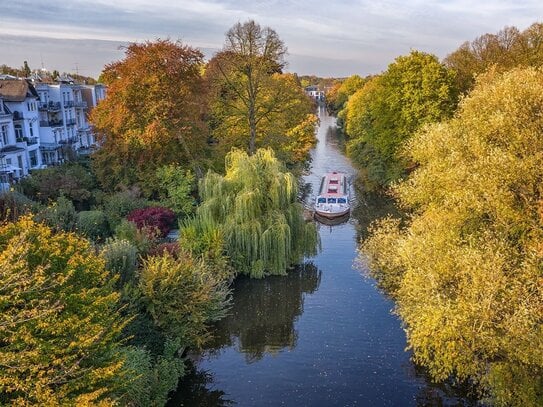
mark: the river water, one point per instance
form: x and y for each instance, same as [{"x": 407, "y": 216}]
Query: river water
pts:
[{"x": 322, "y": 336}]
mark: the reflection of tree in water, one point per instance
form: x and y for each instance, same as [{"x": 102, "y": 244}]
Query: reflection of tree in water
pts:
[
  {"x": 193, "y": 390},
  {"x": 264, "y": 311}
]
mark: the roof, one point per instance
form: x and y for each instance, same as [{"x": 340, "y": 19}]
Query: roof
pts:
[{"x": 16, "y": 90}]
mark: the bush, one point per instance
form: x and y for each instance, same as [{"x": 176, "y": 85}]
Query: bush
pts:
[
  {"x": 120, "y": 204},
  {"x": 60, "y": 215},
  {"x": 171, "y": 248},
  {"x": 14, "y": 204},
  {"x": 153, "y": 217},
  {"x": 121, "y": 259},
  {"x": 143, "y": 240},
  {"x": 182, "y": 296},
  {"x": 93, "y": 225}
]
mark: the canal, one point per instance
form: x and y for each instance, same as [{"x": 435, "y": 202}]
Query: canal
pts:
[{"x": 322, "y": 336}]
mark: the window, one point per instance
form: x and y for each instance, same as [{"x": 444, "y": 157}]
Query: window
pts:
[
  {"x": 342, "y": 200},
  {"x": 321, "y": 200},
  {"x": 33, "y": 158},
  {"x": 332, "y": 200},
  {"x": 4, "y": 134},
  {"x": 18, "y": 132},
  {"x": 20, "y": 161},
  {"x": 31, "y": 127}
]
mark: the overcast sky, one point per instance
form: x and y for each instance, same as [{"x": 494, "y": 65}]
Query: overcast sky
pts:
[{"x": 326, "y": 38}]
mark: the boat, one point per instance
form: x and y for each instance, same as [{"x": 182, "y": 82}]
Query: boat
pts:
[{"x": 333, "y": 199}]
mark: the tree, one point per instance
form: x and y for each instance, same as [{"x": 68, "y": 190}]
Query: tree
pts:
[
  {"x": 59, "y": 325},
  {"x": 503, "y": 51},
  {"x": 253, "y": 104},
  {"x": 26, "y": 70},
  {"x": 151, "y": 115},
  {"x": 415, "y": 90},
  {"x": 253, "y": 210},
  {"x": 466, "y": 267},
  {"x": 338, "y": 96}
]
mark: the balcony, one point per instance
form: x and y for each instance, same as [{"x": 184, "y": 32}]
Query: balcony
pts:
[
  {"x": 81, "y": 104},
  {"x": 70, "y": 122},
  {"x": 69, "y": 103},
  {"x": 17, "y": 116},
  {"x": 32, "y": 140},
  {"x": 51, "y": 123},
  {"x": 49, "y": 106}
]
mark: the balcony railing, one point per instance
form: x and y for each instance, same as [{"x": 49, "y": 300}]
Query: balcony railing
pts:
[
  {"x": 68, "y": 103},
  {"x": 70, "y": 122},
  {"x": 50, "y": 106},
  {"x": 81, "y": 104},
  {"x": 32, "y": 140},
  {"x": 17, "y": 116},
  {"x": 50, "y": 123}
]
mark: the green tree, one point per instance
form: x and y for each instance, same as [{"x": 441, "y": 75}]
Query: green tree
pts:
[
  {"x": 415, "y": 90},
  {"x": 253, "y": 104},
  {"x": 151, "y": 115},
  {"x": 254, "y": 210},
  {"x": 177, "y": 186},
  {"x": 59, "y": 325},
  {"x": 338, "y": 97},
  {"x": 466, "y": 267}
]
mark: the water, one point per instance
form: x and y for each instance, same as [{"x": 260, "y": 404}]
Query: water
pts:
[{"x": 322, "y": 336}]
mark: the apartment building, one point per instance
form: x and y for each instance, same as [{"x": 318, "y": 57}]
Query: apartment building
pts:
[{"x": 42, "y": 124}]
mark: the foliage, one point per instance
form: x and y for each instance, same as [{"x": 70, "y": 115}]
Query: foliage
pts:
[
  {"x": 338, "y": 96},
  {"x": 72, "y": 180},
  {"x": 253, "y": 211},
  {"x": 178, "y": 185},
  {"x": 502, "y": 51},
  {"x": 143, "y": 240},
  {"x": 151, "y": 115},
  {"x": 171, "y": 248},
  {"x": 59, "y": 215},
  {"x": 415, "y": 90},
  {"x": 466, "y": 268},
  {"x": 182, "y": 295},
  {"x": 153, "y": 217},
  {"x": 118, "y": 205},
  {"x": 252, "y": 103},
  {"x": 13, "y": 204},
  {"x": 93, "y": 225},
  {"x": 58, "y": 318},
  {"x": 121, "y": 259}
]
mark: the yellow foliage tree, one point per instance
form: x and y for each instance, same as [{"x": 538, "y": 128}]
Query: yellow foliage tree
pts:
[
  {"x": 59, "y": 327},
  {"x": 466, "y": 269}
]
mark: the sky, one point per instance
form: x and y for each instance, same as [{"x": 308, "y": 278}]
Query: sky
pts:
[{"x": 325, "y": 38}]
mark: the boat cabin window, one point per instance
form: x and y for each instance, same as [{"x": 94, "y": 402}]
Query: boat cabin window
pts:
[
  {"x": 332, "y": 200},
  {"x": 332, "y": 188},
  {"x": 334, "y": 181},
  {"x": 342, "y": 200},
  {"x": 321, "y": 200}
]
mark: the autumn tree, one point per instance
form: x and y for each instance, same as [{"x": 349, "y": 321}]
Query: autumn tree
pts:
[
  {"x": 466, "y": 267},
  {"x": 415, "y": 90},
  {"x": 59, "y": 325},
  {"x": 151, "y": 115},
  {"x": 253, "y": 103},
  {"x": 504, "y": 50}
]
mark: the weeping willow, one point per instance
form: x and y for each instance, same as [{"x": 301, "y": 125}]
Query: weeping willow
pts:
[{"x": 255, "y": 210}]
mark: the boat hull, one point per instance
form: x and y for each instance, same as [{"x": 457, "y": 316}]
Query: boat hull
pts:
[{"x": 332, "y": 215}]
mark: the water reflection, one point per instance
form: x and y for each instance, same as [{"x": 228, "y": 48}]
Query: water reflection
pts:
[{"x": 264, "y": 312}]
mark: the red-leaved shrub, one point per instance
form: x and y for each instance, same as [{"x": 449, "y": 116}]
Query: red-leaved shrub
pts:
[
  {"x": 153, "y": 217},
  {"x": 171, "y": 248}
]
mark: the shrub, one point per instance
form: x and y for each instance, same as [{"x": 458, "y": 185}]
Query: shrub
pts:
[
  {"x": 14, "y": 204},
  {"x": 120, "y": 204},
  {"x": 171, "y": 248},
  {"x": 143, "y": 240},
  {"x": 121, "y": 259},
  {"x": 93, "y": 225},
  {"x": 153, "y": 217},
  {"x": 60, "y": 215}
]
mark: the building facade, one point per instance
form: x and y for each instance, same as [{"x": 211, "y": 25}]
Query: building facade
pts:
[{"x": 43, "y": 124}]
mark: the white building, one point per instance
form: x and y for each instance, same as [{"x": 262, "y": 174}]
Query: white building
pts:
[
  {"x": 43, "y": 124},
  {"x": 314, "y": 92}
]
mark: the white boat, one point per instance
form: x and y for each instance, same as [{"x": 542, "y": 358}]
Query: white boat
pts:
[{"x": 333, "y": 199}]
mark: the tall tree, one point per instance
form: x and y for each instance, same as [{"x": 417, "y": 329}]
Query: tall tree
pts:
[
  {"x": 416, "y": 89},
  {"x": 466, "y": 268},
  {"x": 151, "y": 115},
  {"x": 253, "y": 104}
]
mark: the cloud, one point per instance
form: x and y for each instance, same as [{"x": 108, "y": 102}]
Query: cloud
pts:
[{"x": 354, "y": 33}]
